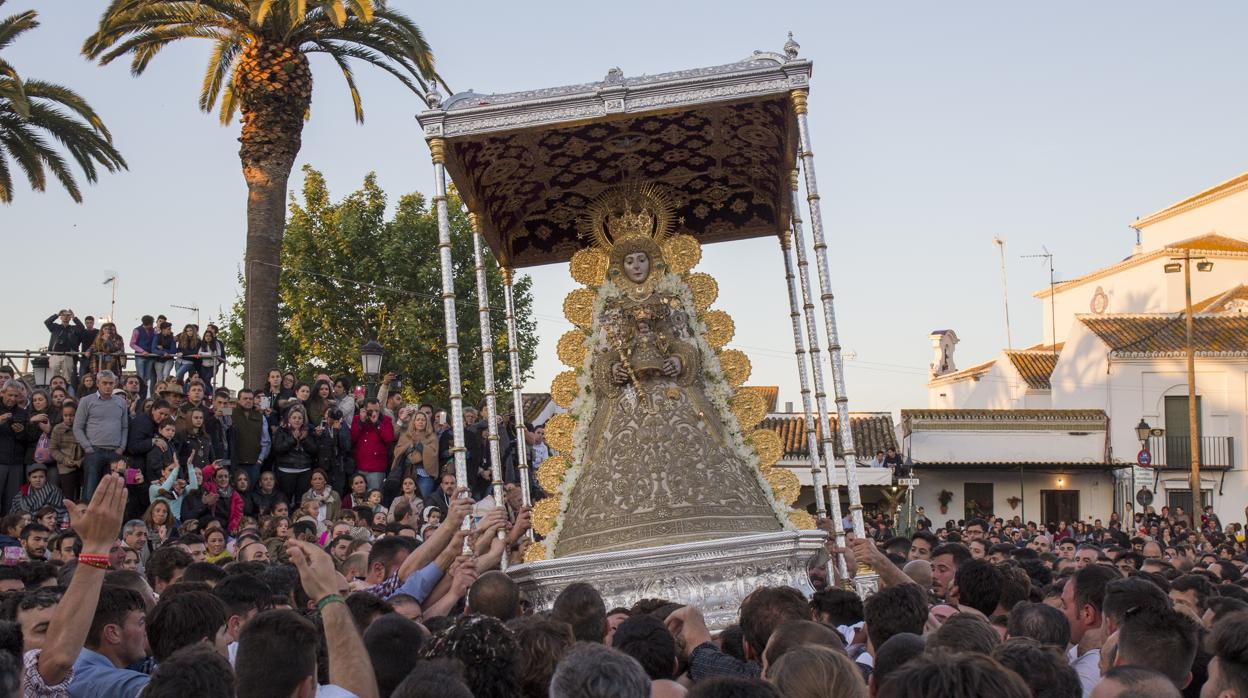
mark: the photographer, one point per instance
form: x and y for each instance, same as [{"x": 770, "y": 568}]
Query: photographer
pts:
[
  {"x": 372, "y": 433},
  {"x": 65, "y": 336},
  {"x": 333, "y": 454},
  {"x": 14, "y": 437}
]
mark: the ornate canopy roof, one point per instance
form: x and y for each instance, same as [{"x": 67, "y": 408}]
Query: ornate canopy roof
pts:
[{"x": 724, "y": 139}]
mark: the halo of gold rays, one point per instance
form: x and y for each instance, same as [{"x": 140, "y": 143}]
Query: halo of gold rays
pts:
[
  {"x": 736, "y": 367},
  {"x": 551, "y": 472},
  {"x": 681, "y": 252},
  {"x": 559, "y": 432},
  {"x": 658, "y": 200},
  {"x": 747, "y": 405},
  {"x": 784, "y": 484},
  {"x": 536, "y": 552},
  {"x": 704, "y": 288},
  {"x": 767, "y": 445},
  {"x": 589, "y": 266},
  {"x": 719, "y": 327},
  {"x": 571, "y": 348},
  {"x": 545, "y": 515},
  {"x": 801, "y": 520},
  {"x": 578, "y": 307},
  {"x": 563, "y": 389}
]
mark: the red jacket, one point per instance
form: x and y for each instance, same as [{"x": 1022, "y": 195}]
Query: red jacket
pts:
[
  {"x": 236, "y": 500},
  {"x": 371, "y": 443}
]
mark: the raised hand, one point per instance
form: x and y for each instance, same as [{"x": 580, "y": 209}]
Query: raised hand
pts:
[
  {"x": 99, "y": 523},
  {"x": 316, "y": 568}
]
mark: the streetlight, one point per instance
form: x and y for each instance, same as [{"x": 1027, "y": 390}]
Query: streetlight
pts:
[
  {"x": 1143, "y": 430},
  {"x": 370, "y": 357},
  {"x": 39, "y": 365},
  {"x": 1184, "y": 264}
]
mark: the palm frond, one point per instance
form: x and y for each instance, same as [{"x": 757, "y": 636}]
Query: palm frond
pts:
[
  {"x": 220, "y": 68},
  {"x": 350, "y": 77},
  {"x": 6, "y": 180},
  {"x": 229, "y": 105},
  {"x": 14, "y": 26},
  {"x": 64, "y": 96}
]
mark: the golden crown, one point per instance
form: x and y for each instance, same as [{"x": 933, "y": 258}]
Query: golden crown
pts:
[
  {"x": 629, "y": 211},
  {"x": 630, "y": 224}
]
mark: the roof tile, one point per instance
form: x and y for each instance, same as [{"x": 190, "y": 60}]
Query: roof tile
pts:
[
  {"x": 872, "y": 431},
  {"x": 1166, "y": 334}
]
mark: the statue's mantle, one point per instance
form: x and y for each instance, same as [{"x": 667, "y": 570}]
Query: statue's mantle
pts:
[{"x": 713, "y": 575}]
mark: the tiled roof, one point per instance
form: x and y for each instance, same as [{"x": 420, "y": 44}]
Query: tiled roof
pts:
[
  {"x": 534, "y": 403},
  {"x": 1003, "y": 420},
  {"x": 769, "y": 393},
  {"x": 1217, "y": 191},
  {"x": 1166, "y": 334},
  {"x": 1219, "y": 303},
  {"x": 974, "y": 372},
  {"x": 1223, "y": 246},
  {"x": 873, "y": 431},
  {"x": 1034, "y": 366}
]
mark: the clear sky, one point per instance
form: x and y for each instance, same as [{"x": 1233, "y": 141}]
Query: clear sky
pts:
[{"x": 936, "y": 127}]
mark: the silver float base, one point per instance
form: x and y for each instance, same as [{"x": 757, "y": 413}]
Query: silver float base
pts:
[{"x": 713, "y": 575}]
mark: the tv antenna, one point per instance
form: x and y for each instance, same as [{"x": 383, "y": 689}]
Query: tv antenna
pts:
[
  {"x": 1048, "y": 257},
  {"x": 192, "y": 308}
]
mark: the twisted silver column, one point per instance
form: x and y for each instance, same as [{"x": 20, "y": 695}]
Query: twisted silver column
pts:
[{"x": 487, "y": 364}]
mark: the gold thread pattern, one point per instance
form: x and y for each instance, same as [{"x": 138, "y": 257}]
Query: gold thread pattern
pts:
[
  {"x": 563, "y": 389},
  {"x": 546, "y": 514},
  {"x": 536, "y": 552},
  {"x": 784, "y": 484},
  {"x": 589, "y": 266},
  {"x": 559, "y": 432},
  {"x": 736, "y": 367},
  {"x": 767, "y": 445},
  {"x": 705, "y": 290},
  {"x": 719, "y": 327},
  {"x": 801, "y": 520},
  {"x": 682, "y": 253},
  {"x": 578, "y": 307},
  {"x": 571, "y": 348},
  {"x": 551, "y": 472},
  {"x": 747, "y": 405}
]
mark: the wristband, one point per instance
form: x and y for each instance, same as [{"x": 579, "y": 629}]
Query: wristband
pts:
[
  {"x": 332, "y": 598},
  {"x": 96, "y": 560}
]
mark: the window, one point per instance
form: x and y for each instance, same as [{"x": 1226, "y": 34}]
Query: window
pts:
[{"x": 977, "y": 497}]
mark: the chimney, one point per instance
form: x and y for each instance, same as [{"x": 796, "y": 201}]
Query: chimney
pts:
[
  {"x": 943, "y": 343},
  {"x": 788, "y": 407}
]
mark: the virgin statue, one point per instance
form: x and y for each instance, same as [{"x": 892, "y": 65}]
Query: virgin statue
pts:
[{"x": 658, "y": 454}]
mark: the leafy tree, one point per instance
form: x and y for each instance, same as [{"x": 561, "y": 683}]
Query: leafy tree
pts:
[
  {"x": 259, "y": 67},
  {"x": 348, "y": 271},
  {"x": 31, "y": 111}
]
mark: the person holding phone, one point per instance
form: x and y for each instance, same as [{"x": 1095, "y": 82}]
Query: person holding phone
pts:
[{"x": 372, "y": 433}]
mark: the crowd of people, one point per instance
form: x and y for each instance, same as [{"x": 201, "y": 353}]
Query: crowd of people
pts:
[{"x": 164, "y": 537}]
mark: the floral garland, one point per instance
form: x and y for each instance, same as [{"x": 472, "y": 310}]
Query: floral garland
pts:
[{"x": 718, "y": 392}]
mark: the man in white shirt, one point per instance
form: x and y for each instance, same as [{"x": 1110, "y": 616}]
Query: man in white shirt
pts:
[{"x": 1082, "y": 598}]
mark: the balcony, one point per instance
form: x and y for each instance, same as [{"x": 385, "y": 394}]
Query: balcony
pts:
[{"x": 1175, "y": 452}]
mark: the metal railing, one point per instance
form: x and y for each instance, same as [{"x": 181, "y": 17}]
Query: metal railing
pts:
[
  {"x": 23, "y": 361},
  {"x": 1175, "y": 452}
]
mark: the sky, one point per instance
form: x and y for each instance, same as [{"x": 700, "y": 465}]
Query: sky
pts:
[{"x": 936, "y": 127}]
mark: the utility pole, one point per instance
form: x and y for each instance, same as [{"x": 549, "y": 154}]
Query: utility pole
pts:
[
  {"x": 1048, "y": 257},
  {"x": 1193, "y": 421},
  {"x": 112, "y": 309},
  {"x": 1005, "y": 294}
]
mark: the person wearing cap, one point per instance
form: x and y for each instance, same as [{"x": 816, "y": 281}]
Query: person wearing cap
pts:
[{"x": 37, "y": 493}]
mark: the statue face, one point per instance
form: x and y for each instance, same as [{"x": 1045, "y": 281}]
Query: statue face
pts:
[{"x": 637, "y": 267}]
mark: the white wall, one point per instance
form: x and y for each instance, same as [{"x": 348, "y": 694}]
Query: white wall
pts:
[
  {"x": 1096, "y": 490},
  {"x": 1226, "y": 216},
  {"x": 1006, "y": 446}
]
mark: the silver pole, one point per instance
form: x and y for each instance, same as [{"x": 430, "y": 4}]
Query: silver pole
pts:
[
  {"x": 436, "y": 148},
  {"x": 829, "y": 314},
  {"x": 513, "y": 350},
  {"x": 820, "y": 412},
  {"x": 487, "y": 364}
]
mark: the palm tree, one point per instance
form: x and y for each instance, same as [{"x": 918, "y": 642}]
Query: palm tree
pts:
[
  {"x": 259, "y": 67},
  {"x": 33, "y": 110}
]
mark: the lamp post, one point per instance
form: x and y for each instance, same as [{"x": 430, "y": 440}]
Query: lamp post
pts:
[
  {"x": 1176, "y": 265},
  {"x": 39, "y": 365},
  {"x": 370, "y": 357}
]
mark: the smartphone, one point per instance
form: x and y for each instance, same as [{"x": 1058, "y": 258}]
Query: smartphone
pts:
[
  {"x": 265, "y": 401},
  {"x": 359, "y": 391},
  {"x": 132, "y": 476}
]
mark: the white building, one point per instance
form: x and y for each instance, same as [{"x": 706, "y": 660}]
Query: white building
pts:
[{"x": 1119, "y": 352}]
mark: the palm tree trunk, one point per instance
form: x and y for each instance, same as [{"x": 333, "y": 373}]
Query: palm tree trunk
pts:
[{"x": 274, "y": 85}]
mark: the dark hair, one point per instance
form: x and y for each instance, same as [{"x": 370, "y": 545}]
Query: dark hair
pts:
[
  {"x": 1044, "y": 669},
  {"x": 581, "y": 606},
  {"x": 895, "y": 653},
  {"x": 11, "y": 639},
  {"x": 385, "y": 550},
  {"x": 1194, "y": 582},
  {"x": 841, "y": 606},
  {"x": 192, "y": 671},
  {"x": 646, "y": 639},
  {"x": 495, "y": 594},
  {"x": 165, "y": 561},
  {"x": 1090, "y": 583},
  {"x": 115, "y": 603},
  {"x": 184, "y": 620},
  {"x": 434, "y": 678},
  {"x": 1229, "y": 645},
  {"x": 730, "y": 642},
  {"x": 932, "y": 541},
  {"x": 729, "y": 687},
  {"x": 365, "y": 608},
  {"x": 944, "y": 675},
  {"x": 765, "y": 609},
  {"x": 203, "y": 572},
  {"x": 1137, "y": 680},
  {"x": 963, "y": 632},
  {"x": 243, "y": 593},
  {"x": 960, "y": 552},
  {"x": 1015, "y": 585},
  {"x": 542, "y": 644},
  {"x": 33, "y": 527},
  {"x": 1123, "y": 596},
  {"x": 1040, "y": 622},
  {"x": 979, "y": 585},
  {"x": 977, "y": 522},
  {"x": 796, "y": 633},
  {"x": 1222, "y": 606},
  {"x": 393, "y": 643},
  {"x": 894, "y": 609},
  {"x": 276, "y": 652},
  {"x": 486, "y": 645},
  {"x": 1161, "y": 639}
]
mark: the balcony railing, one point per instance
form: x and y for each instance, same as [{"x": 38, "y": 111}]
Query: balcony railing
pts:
[{"x": 1175, "y": 452}]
